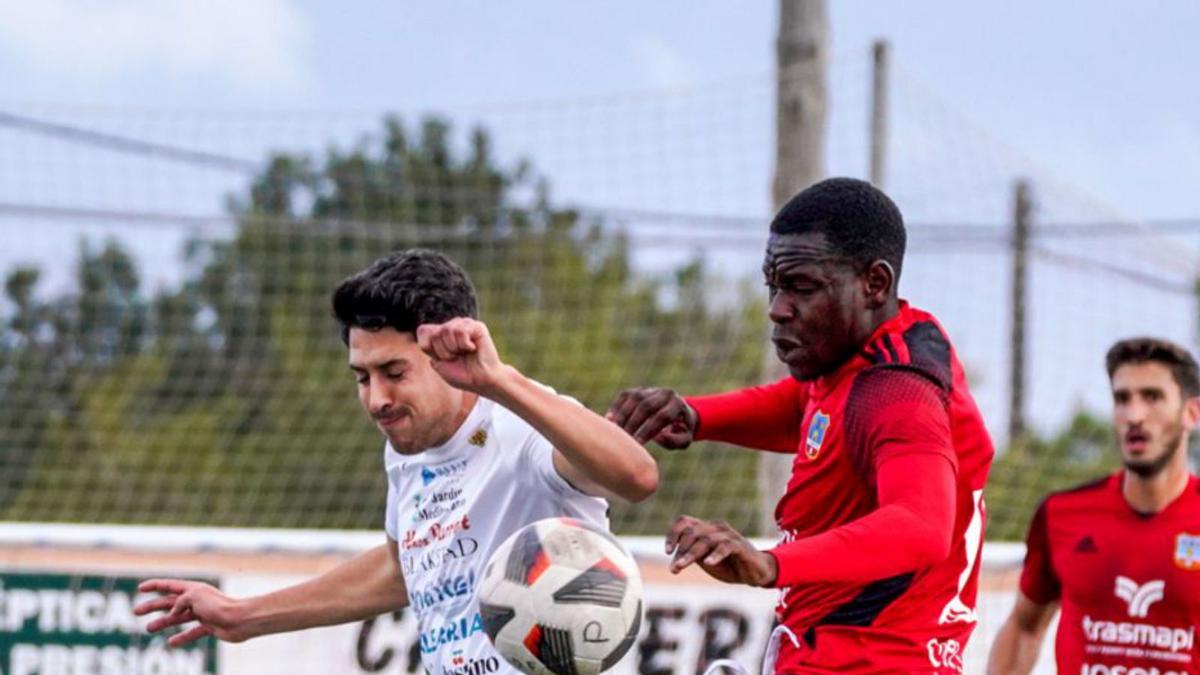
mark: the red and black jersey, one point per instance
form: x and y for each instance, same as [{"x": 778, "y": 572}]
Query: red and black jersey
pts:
[
  {"x": 1129, "y": 583},
  {"x": 851, "y": 593}
]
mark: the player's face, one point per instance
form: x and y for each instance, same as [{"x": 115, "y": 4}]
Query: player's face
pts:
[
  {"x": 817, "y": 304},
  {"x": 1151, "y": 417},
  {"x": 410, "y": 403}
]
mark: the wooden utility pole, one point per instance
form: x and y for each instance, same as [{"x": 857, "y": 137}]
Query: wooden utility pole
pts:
[
  {"x": 881, "y": 62},
  {"x": 1022, "y": 211},
  {"x": 802, "y": 60}
]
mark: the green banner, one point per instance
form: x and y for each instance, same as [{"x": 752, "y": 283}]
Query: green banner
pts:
[{"x": 71, "y": 624}]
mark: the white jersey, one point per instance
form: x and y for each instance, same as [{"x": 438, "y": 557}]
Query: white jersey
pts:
[{"x": 449, "y": 507}]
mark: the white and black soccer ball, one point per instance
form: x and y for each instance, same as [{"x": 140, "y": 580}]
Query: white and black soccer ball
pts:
[{"x": 563, "y": 597}]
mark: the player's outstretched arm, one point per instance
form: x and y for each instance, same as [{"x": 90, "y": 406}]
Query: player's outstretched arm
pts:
[
  {"x": 367, "y": 585},
  {"x": 766, "y": 417},
  {"x": 1015, "y": 650},
  {"x": 591, "y": 453},
  {"x": 655, "y": 414}
]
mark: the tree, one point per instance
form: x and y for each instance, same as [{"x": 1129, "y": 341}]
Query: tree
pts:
[
  {"x": 53, "y": 352},
  {"x": 1023, "y": 476},
  {"x": 228, "y": 401}
]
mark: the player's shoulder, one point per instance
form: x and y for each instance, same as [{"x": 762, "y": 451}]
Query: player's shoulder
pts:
[
  {"x": 880, "y": 384},
  {"x": 917, "y": 345},
  {"x": 509, "y": 427},
  {"x": 506, "y": 425},
  {"x": 1085, "y": 495}
]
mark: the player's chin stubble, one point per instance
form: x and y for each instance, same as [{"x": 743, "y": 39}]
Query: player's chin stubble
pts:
[{"x": 1153, "y": 467}]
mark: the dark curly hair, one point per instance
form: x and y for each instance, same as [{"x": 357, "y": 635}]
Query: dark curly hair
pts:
[
  {"x": 404, "y": 290},
  {"x": 1157, "y": 350},
  {"x": 861, "y": 223}
]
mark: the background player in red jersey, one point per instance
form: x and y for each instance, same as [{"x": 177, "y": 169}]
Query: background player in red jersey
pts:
[
  {"x": 882, "y": 520},
  {"x": 1121, "y": 555}
]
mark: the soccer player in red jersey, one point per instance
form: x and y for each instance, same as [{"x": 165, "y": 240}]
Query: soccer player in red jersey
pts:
[
  {"x": 883, "y": 515},
  {"x": 1121, "y": 555}
]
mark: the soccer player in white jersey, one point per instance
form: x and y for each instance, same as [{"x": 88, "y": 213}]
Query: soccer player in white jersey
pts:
[{"x": 475, "y": 450}]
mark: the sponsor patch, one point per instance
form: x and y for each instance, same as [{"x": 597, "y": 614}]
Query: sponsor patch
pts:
[
  {"x": 1139, "y": 597},
  {"x": 429, "y": 474}
]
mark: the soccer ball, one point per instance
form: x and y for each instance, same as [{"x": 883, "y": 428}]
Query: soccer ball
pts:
[{"x": 561, "y": 596}]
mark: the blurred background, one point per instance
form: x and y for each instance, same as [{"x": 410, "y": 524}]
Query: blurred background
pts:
[{"x": 182, "y": 185}]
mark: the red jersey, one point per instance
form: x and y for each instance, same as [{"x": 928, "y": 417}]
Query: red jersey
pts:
[
  {"x": 861, "y": 610},
  {"x": 1129, "y": 583}
]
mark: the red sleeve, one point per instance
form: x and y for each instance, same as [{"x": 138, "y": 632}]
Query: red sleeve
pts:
[
  {"x": 910, "y": 530},
  {"x": 1039, "y": 582},
  {"x": 893, "y": 412},
  {"x": 898, "y": 431},
  {"x": 766, "y": 417}
]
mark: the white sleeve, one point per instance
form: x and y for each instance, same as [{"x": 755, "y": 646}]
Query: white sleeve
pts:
[
  {"x": 392, "y": 509},
  {"x": 538, "y": 456}
]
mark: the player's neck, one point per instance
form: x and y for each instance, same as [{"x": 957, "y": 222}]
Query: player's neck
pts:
[
  {"x": 876, "y": 318},
  {"x": 1151, "y": 494},
  {"x": 887, "y": 311},
  {"x": 466, "y": 405}
]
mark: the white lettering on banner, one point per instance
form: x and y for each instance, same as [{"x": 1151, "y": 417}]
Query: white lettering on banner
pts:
[
  {"x": 91, "y": 660},
  {"x": 84, "y": 611},
  {"x": 1101, "y": 669}
]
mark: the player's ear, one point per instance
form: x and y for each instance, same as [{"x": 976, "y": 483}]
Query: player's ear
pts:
[
  {"x": 1191, "y": 413},
  {"x": 879, "y": 283}
]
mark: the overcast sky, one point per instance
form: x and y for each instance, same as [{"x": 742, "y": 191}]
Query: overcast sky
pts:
[
  {"x": 663, "y": 105},
  {"x": 1102, "y": 93}
]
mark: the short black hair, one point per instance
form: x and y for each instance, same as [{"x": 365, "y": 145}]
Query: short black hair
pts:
[
  {"x": 404, "y": 290},
  {"x": 1157, "y": 350},
  {"x": 860, "y": 222}
]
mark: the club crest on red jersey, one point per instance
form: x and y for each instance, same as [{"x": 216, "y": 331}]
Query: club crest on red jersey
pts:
[
  {"x": 816, "y": 434},
  {"x": 1187, "y": 551}
]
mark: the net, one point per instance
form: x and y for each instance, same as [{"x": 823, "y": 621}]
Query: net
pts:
[{"x": 167, "y": 354}]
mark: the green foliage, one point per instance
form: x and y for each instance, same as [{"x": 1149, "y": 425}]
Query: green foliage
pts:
[
  {"x": 52, "y": 353},
  {"x": 227, "y": 401},
  {"x": 1083, "y": 451}
]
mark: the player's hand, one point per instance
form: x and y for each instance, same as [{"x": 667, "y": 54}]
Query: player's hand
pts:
[
  {"x": 185, "y": 601},
  {"x": 463, "y": 353},
  {"x": 655, "y": 414},
  {"x": 720, "y": 550}
]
